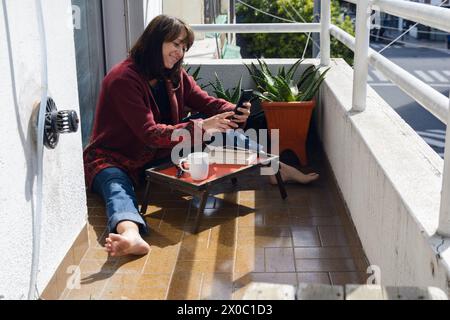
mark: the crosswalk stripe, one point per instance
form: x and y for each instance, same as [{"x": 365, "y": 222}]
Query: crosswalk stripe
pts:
[
  {"x": 424, "y": 76},
  {"x": 438, "y": 76},
  {"x": 379, "y": 75},
  {"x": 369, "y": 78},
  {"x": 446, "y": 72}
]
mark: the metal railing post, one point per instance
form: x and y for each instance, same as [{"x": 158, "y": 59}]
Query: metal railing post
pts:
[
  {"x": 316, "y": 36},
  {"x": 444, "y": 214},
  {"x": 361, "y": 65},
  {"x": 325, "y": 22}
]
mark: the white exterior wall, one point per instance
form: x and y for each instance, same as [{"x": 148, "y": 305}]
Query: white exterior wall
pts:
[
  {"x": 191, "y": 12},
  {"x": 390, "y": 180},
  {"x": 64, "y": 200},
  {"x": 152, "y": 8}
]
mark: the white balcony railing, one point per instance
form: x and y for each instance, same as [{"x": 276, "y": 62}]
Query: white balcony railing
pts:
[{"x": 425, "y": 95}]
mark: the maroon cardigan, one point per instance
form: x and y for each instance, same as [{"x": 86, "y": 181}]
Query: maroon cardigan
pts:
[{"x": 127, "y": 131}]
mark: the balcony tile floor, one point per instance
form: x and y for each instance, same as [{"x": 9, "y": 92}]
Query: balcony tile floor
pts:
[{"x": 247, "y": 235}]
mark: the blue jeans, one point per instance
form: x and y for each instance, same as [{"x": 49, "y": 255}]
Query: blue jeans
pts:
[{"x": 116, "y": 189}]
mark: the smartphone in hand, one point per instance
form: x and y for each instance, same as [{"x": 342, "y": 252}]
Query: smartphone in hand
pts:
[{"x": 246, "y": 96}]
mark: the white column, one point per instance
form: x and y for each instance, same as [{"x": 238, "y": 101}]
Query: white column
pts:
[
  {"x": 325, "y": 22},
  {"x": 444, "y": 215},
  {"x": 152, "y": 8},
  {"x": 361, "y": 65}
]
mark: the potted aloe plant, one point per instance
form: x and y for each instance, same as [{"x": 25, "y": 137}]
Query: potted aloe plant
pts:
[
  {"x": 230, "y": 95},
  {"x": 288, "y": 103}
]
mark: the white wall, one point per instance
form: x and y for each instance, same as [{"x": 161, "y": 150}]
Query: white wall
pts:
[
  {"x": 64, "y": 201},
  {"x": 191, "y": 12},
  {"x": 152, "y": 8}
]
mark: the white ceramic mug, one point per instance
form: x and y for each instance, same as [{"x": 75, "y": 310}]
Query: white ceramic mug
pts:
[{"x": 198, "y": 165}]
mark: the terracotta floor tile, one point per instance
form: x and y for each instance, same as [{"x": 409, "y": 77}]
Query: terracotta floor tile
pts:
[
  {"x": 217, "y": 286},
  {"x": 334, "y": 236},
  {"x": 264, "y": 237},
  {"x": 120, "y": 280},
  {"x": 314, "y": 277},
  {"x": 269, "y": 277},
  {"x": 315, "y": 221},
  {"x": 220, "y": 213},
  {"x": 211, "y": 245},
  {"x": 97, "y": 236},
  {"x": 131, "y": 264},
  {"x": 305, "y": 237},
  {"x": 166, "y": 235},
  {"x": 302, "y": 212},
  {"x": 228, "y": 203},
  {"x": 95, "y": 253},
  {"x": 185, "y": 286},
  {"x": 210, "y": 203},
  {"x": 272, "y": 193},
  {"x": 175, "y": 217},
  {"x": 279, "y": 260},
  {"x": 162, "y": 260},
  {"x": 323, "y": 253},
  {"x": 343, "y": 278},
  {"x": 98, "y": 221},
  {"x": 91, "y": 287},
  {"x": 275, "y": 216},
  {"x": 206, "y": 224},
  {"x": 134, "y": 293},
  {"x": 325, "y": 265},
  {"x": 137, "y": 287},
  {"x": 251, "y": 219},
  {"x": 247, "y": 195},
  {"x": 98, "y": 266},
  {"x": 204, "y": 266},
  {"x": 322, "y": 209},
  {"x": 247, "y": 204},
  {"x": 249, "y": 259},
  {"x": 95, "y": 202}
]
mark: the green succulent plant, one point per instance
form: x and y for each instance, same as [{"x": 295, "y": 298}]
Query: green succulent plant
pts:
[
  {"x": 282, "y": 86},
  {"x": 195, "y": 74},
  {"x": 232, "y": 95}
]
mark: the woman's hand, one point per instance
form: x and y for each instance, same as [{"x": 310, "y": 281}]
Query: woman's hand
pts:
[
  {"x": 239, "y": 119},
  {"x": 219, "y": 123}
]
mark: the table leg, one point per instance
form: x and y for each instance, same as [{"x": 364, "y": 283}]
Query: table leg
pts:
[
  {"x": 281, "y": 185},
  {"x": 201, "y": 208},
  {"x": 145, "y": 200}
]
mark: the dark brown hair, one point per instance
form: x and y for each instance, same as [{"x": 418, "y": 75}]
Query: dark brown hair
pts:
[{"x": 147, "y": 52}]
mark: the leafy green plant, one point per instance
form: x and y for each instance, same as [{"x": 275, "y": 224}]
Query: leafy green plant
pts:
[
  {"x": 281, "y": 86},
  {"x": 232, "y": 95},
  {"x": 288, "y": 45},
  {"x": 195, "y": 74}
]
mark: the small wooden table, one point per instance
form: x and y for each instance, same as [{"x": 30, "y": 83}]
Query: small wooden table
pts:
[{"x": 218, "y": 173}]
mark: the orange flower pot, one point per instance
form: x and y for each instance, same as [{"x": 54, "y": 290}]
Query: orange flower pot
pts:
[{"x": 292, "y": 119}]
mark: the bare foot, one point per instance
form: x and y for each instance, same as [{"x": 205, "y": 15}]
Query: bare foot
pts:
[
  {"x": 126, "y": 243},
  {"x": 295, "y": 176}
]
